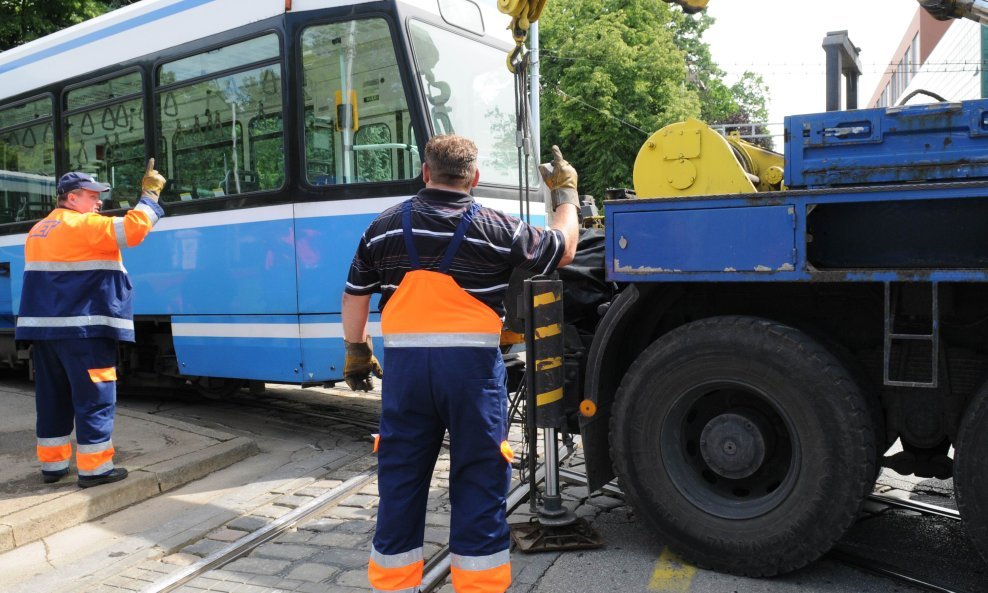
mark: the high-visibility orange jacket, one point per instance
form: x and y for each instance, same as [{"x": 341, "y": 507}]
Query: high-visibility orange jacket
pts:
[{"x": 75, "y": 283}]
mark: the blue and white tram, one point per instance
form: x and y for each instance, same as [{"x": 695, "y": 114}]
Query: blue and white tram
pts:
[{"x": 283, "y": 127}]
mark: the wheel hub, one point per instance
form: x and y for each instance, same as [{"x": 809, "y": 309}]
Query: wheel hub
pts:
[{"x": 733, "y": 445}]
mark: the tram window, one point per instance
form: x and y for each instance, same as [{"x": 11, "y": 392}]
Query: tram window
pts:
[
  {"x": 218, "y": 60},
  {"x": 203, "y": 160},
  {"x": 477, "y": 102},
  {"x": 202, "y": 125},
  {"x": 127, "y": 85},
  {"x": 27, "y": 160},
  {"x": 266, "y": 135},
  {"x": 350, "y": 77},
  {"x": 413, "y": 161},
  {"x": 374, "y": 163},
  {"x": 320, "y": 153},
  {"x": 107, "y": 141}
]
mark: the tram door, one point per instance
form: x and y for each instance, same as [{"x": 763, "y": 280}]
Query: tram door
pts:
[{"x": 356, "y": 132}]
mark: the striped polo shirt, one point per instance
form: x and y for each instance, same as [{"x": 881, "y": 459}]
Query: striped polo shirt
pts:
[{"x": 494, "y": 245}]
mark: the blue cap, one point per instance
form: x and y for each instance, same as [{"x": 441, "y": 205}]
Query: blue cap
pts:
[{"x": 76, "y": 180}]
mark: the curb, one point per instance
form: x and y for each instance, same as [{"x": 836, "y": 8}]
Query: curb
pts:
[{"x": 34, "y": 523}]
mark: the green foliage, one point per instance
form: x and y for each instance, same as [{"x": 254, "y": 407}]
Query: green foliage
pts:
[
  {"x": 25, "y": 20},
  {"x": 614, "y": 72}
]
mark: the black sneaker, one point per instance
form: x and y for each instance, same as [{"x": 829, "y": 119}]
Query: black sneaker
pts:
[
  {"x": 114, "y": 475},
  {"x": 51, "y": 478}
]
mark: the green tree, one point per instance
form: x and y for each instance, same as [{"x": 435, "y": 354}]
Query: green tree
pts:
[
  {"x": 615, "y": 72},
  {"x": 25, "y": 20},
  {"x": 742, "y": 102},
  {"x": 612, "y": 74}
]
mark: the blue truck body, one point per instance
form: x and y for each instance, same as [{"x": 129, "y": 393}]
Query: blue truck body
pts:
[
  {"x": 846, "y": 171},
  {"x": 764, "y": 352}
]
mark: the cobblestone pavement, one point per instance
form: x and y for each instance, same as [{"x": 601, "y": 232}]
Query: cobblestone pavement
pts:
[{"x": 327, "y": 552}]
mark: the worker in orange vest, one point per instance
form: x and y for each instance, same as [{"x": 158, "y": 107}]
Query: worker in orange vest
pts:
[
  {"x": 441, "y": 262},
  {"x": 76, "y": 304}
]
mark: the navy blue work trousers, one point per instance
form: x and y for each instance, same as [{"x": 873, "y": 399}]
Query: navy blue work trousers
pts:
[
  {"x": 425, "y": 392},
  {"x": 66, "y": 392}
]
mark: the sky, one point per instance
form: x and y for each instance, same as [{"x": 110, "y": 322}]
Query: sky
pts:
[{"x": 782, "y": 40}]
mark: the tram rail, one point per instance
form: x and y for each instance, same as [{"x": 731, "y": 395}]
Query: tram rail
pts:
[
  {"x": 842, "y": 555},
  {"x": 437, "y": 568}
]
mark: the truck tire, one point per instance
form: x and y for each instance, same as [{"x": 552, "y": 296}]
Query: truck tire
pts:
[
  {"x": 743, "y": 444},
  {"x": 970, "y": 472}
]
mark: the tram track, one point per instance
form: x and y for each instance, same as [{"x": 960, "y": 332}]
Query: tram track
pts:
[
  {"x": 435, "y": 571},
  {"x": 437, "y": 567},
  {"x": 844, "y": 556}
]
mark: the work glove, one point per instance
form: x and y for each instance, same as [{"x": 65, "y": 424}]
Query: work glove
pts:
[
  {"x": 152, "y": 183},
  {"x": 561, "y": 178},
  {"x": 360, "y": 364}
]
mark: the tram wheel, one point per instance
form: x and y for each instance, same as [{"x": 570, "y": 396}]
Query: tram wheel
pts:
[
  {"x": 970, "y": 474},
  {"x": 744, "y": 444}
]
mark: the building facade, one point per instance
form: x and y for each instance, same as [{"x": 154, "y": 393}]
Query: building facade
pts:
[{"x": 945, "y": 58}]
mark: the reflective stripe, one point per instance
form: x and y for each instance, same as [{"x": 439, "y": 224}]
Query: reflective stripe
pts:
[
  {"x": 96, "y": 471},
  {"x": 79, "y": 321},
  {"x": 442, "y": 340},
  {"x": 55, "y": 451},
  {"x": 95, "y": 459},
  {"x": 146, "y": 209},
  {"x": 414, "y": 589},
  {"x": 396, "y": 560},
  {"x": 481, "y": 574},
  {"x": 120, "y": 232},
  {"x": 480, "y": 562},
  {"x": 548, "y": 331},
  {"x": 53, "y": 441},
  {"x": 96, "y": 447},
  {"x": 54, "y": 466},
  {"x": 75, "y": 266},
  {"x": 549, "y": 397},
  {"x": 395, "y": 572},
  {"x": 103, "y": 375}
]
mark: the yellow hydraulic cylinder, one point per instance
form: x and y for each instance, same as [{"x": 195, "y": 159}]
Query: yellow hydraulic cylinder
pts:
[{"x": 691, "y": 159}]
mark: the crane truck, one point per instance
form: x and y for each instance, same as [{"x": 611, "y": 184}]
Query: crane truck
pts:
[{"x": 780, "y": 321}]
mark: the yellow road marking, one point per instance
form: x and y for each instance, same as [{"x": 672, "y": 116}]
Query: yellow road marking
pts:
[{"x": 671, "y": 574}]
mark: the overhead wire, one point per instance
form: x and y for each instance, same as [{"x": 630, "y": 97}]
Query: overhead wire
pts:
[{"x": 567, "y": 96}]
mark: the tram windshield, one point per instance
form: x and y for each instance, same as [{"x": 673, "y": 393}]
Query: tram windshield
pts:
[{"x": 469, "y": 91}]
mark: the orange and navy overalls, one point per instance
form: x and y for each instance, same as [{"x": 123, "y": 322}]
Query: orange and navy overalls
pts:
[
  {"x": 442, "y": 371},
  {"x": 76, "y": 304}
]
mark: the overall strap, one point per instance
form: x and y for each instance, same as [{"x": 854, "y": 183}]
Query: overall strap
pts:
[
  {"x": 406, "y": 225},
  {"x": 461, "y": 231}
]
